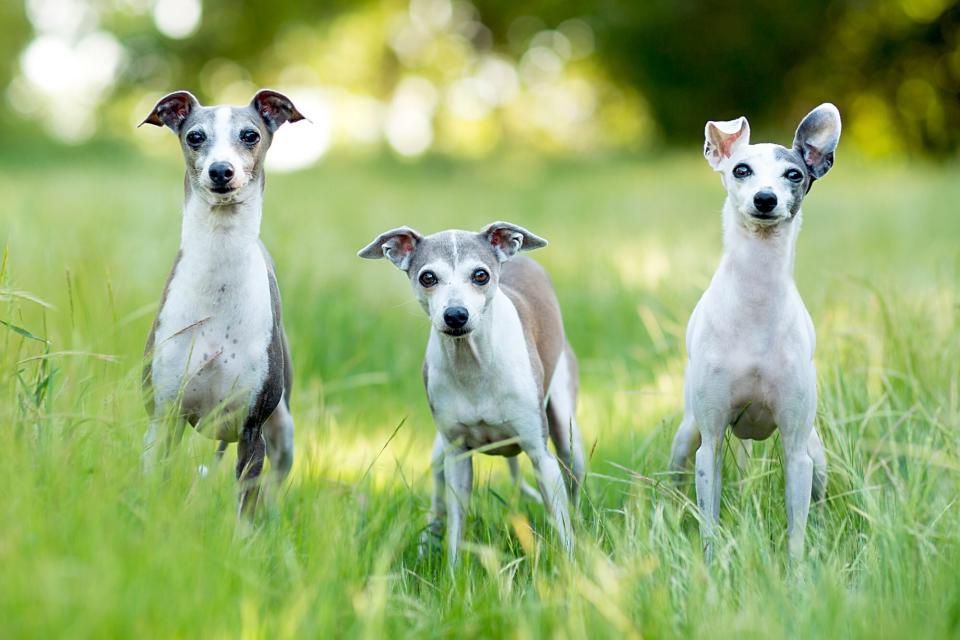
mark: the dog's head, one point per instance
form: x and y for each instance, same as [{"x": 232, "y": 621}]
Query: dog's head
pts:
[
  {"x": 224, "y": 146},
  {"x": 766, "y": 183},
  {"x": 454, "y": 274}
]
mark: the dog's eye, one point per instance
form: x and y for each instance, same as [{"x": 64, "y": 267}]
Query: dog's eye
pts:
[
  {"x": 480, "y": 277},
  {"x": 249, "y": 136},
  {"x": 793, "y": 175},
  {"x": 428, "y": 279},
  {"x": 195, "y": 138},
  {"x": 742, "y": 171}
]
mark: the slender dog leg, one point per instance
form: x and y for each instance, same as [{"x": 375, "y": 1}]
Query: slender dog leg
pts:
[
  {"x": 278, "y": 433},
  {"x": 552, "y": 488},
  {"x": 458, "y": 477},
  {"x": 799, "y": 481},
  {"x": 437, "y": 516},
  {"x": 685, "y": 442},
  {"x": 565, "y": 435},
  {"x": 250, "y": 452},
  {"x": 742, "y": 452},
  {"x": 562, "y": 422},
  {"x": 815, "y": 449},
  {"x": 218, "y": 454},
  {"x": 514, "y": 465},
  {"x": 708, "y": 487}
]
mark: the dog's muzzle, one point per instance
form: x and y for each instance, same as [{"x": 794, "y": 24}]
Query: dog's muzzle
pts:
[
  {"x": 455, "y": 319},
  {"x": 220, "y": 174},
  {"x": 765, "y": 202}
]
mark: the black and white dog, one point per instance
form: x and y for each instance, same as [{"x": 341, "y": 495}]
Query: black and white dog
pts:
[{"x": 217, "y": 355}]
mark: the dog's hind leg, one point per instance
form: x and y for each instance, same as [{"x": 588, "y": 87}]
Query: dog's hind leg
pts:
[
  {"x": 250, "y": 453},
  {"x": 742, "y": 452},
  {"x": 278, "y": 434},
  {"x": 203, "y": 469},
  {"x": 514, "y": 465},
  {"x": 685, "y": 443},
  {"x": 815, "y": 449},
  {"x": 562, "y": 422}
]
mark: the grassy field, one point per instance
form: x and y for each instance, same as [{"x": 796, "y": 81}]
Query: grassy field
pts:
[{"x": 90, "y": 548}]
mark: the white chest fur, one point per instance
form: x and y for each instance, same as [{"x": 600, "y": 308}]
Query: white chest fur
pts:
[
  {"x": 484, "y": 393},
  {"x": 215, "y": 326},
  {"x": 750, "y": 339}
]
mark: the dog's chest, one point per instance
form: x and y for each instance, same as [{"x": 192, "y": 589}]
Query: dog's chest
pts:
[
  {"x": 758, "y": 355},
  {"x": 213, "y": 332},
  {"x": 483, "y": 406}
]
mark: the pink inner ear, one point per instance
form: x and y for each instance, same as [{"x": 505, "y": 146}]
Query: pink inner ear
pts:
[
  {"x": 406, "y": 244},
  {"x": 495, "y": 239},
  {"x": 176, "y": 109},
  {"x": 267, "y": 110},
  {"x": 726, "y": 144}
]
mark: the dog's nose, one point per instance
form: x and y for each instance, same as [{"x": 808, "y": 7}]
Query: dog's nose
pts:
[
  {"x": 765, "y": 201},
  {"x": 220, "y": 173},
  {"x": 456, "y": 317}
]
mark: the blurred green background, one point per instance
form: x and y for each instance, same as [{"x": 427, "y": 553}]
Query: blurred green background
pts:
[
  {"x": 583, "y": 122},
  {"x": 466, "y": 79}
]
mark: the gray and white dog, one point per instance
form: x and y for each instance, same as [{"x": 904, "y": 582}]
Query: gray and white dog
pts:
[
  {"x": 750, "y": 340},
  {"x": 217, "y": 355},
  {"x": 499, "y": 372}
]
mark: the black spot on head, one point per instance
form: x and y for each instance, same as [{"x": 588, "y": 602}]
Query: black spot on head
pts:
[
  {"x": 233, "y": 356},
  {"x": 223, "y": 288},
  {"x": 799, "y": 189},
  {"x": 234, "y": 341}
]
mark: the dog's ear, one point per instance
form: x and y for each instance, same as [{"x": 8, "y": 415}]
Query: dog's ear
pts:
[
  {"x": 722, "y": 138},
  {"x": 817, "y": 137},
  {"x": 396, "y": 245},
  {"x": 275, "y": 109},
  {"x": 172, "y": 110},
  {"x": 507, "y": 239}
]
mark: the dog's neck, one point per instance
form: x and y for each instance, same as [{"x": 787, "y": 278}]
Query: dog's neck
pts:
[
  {"x": 759, "y": 251},
  {"x": 757, "y": 263},
  {"x": 464, "y": 357},
  {"x": 216, "y": 227}
]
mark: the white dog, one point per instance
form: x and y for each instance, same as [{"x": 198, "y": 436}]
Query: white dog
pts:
[{"x": 750, "y": 340}]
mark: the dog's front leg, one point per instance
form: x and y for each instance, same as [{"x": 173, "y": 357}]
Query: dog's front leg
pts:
[
  {"x": 798, "y": 472},
  {"x": 551, "y": 482},
  {"x": 278, "y": 437},
  {"x": 458, "y": 481},
  {"x": 251, "y": 449},
  {"x": 709, "y": 481},
  {"x": 438, "y": 508}
]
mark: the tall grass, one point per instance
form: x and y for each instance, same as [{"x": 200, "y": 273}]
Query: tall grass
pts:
[{"x": 89, "y": 547}]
